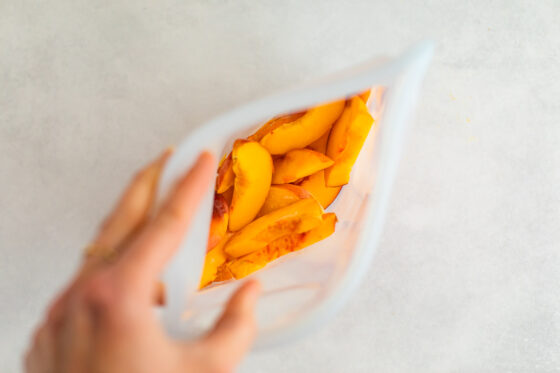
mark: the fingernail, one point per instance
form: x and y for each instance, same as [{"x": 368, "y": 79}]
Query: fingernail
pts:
[
  {"x": 205, "y": 159},
  {"x": 205, "y": 154}
]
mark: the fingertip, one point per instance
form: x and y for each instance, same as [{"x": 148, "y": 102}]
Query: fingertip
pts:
[
  {"x": 205, "y": 159},
  {"x": 252, "y": 290},
  {"x": 202, "y": 170},
  {"x": 245, "y": 298},
  {"x": 236, "y": 329},
  {"x": 195, "y": 180}
]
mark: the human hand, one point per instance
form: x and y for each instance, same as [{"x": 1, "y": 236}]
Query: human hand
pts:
[{"x": 104, "y": 321}]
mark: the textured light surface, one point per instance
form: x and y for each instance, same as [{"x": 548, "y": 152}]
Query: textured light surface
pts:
[{"x": 466, "y": 277}]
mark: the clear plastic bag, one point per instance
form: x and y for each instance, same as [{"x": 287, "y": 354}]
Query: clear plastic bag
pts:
[{"x": 301, "y": 290}]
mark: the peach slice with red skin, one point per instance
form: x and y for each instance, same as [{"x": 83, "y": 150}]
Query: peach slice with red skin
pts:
[
  {"x": 297, "y": 217},
  {"x": 273, "y": 124},
  {"x": 228, "y": 196},
  {"x": 281, "y": 196},
  {"x": 252, "y": 166},
  {"x": 250, "y": 263},
  {"x": 223, "y": 273},
  {"x": 225, "y": 177},
  {"x": 346, "y": 140},
  {"x": 315, "y": 184},
  {"x": 219, "y": 222},
  {"x": 304, "y": 130},
  {"x": 324, "y": 230},
  {"x": 214, "y": 259},
  {"x": 297, "y": 164}
]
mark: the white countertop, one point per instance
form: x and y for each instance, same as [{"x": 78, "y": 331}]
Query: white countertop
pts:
[{"x": 467, "y": 275}]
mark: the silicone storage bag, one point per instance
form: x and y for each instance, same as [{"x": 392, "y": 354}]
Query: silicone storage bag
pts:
[{"x": 302, "y": 290}]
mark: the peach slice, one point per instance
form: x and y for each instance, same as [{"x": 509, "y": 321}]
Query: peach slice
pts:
[
  {"x": 250, "y": 263},
  {"x": 223, "y": 274},
  {"x": 273, "y": 124},
  {"x": 214, "y": 259},
  {"x": 304, "y": 130},
  {"x": 324, "y": 230},
  {"x": 365, "y": 96},
  {"x": 298, "y": 241},
  {"x": 320, "y": 145},
  {"x": 252, "y": 166},
  {"x": 219, "y": 222},
  {"x": 225, "y": 177},
  {"x": 297, "y": 164},
  {"x": 345, "y": 141},
  {"x": 281, "y": 196},
  {"x": 228, "y": 196},
  {"x": 298, "y": 217},
  {"x": 315, "y": 184}
]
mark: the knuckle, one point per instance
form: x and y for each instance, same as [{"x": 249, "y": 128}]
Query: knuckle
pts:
[
  {"x": 54, "y": 311},
  {"x": 99, "y": 291},
  {"x": 56, "y": 308},
  {"x": 55, "y": 315},
  {"x": 104, "y": 293}
]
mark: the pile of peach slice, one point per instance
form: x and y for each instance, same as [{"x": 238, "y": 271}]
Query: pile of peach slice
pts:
[{"x": 272, "y": 189}]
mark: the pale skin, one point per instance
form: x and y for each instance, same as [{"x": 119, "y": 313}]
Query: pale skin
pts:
[{"x": 104, "y": 320}]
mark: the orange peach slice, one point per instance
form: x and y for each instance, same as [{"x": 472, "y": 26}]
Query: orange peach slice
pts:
[
  {"x": 228, "y": 196},
  {"x": 281, "y": 196},
  {"x": 225, "y": 177},
  {"x": 324, "y": 230},
  {"x": 320, "y": 145},
  {"x": 297, "y": 217},
  {"x": 248, "y": 264},
  {"x": 297, "y": 164},
  {"x": 224, "y": 274},
  {"x": 219, "y": 222},
  {"x": 315, "y": 184},
  {"x": 214, "y": 259},
  {"x": 298, "y": 241},
  {"x": 273, "y": 124},
  {"x": 345, "y": 141},
  {"x": 304, "y": 130},
  {"x": 252, "y": 166}
]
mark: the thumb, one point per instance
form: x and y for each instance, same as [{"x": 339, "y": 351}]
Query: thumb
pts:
[{"x": 235, "y": 331}]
